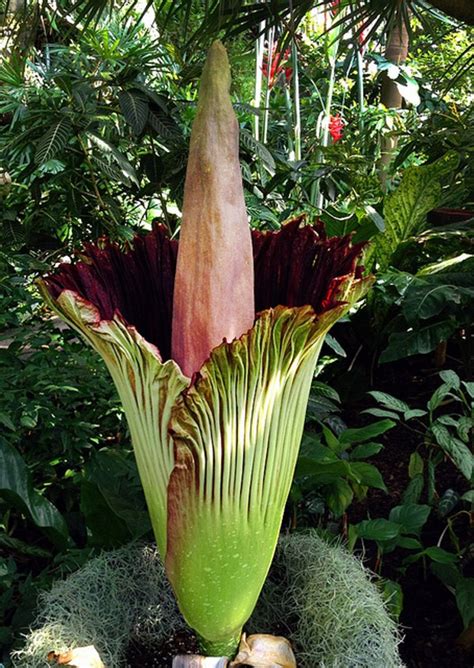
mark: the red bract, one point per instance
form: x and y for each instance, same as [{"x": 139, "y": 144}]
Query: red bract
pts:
[
  {"x": 278, "y": 65},
  {"x": 336, "y": 127}
]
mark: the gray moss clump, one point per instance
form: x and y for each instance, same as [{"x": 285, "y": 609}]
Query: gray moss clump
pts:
[
  {"x": 336, "y": 613},
  {"x": 114, "y": 597},
  {"x": 318, "y": 595}
]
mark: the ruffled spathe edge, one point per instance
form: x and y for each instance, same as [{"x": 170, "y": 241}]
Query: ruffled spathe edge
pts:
[{"x": 295, "y": 266}]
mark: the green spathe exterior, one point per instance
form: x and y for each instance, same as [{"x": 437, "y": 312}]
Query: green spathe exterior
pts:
[
  {"x": 148, "y": 389},
  {"x": 237, "y": 435}
]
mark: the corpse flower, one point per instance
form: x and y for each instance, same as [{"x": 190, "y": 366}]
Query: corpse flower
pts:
[{"x": 212, "y": 344}]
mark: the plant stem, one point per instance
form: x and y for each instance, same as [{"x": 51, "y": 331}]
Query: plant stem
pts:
[
  {"x": 296, "y": 94},
  {"x": 223, "y": 647},
  {"x": 266, "y": 113},
  {"x": 259, "y": 48},
  {"x": 289, "y": 110},
  {"x": 360, "y": 86},
  {"x": 317, "y": 197},
  {"x": 95, "y": 187}
]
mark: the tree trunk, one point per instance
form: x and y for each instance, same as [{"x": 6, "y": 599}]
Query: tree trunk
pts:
[{"x": 396, "y": 52}]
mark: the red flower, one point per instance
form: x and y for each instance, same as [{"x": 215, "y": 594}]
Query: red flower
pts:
[
  {"x": 361, "y": 36},
  {"x": 277, "y": 66},
  {"x": 336, "y": 127}
]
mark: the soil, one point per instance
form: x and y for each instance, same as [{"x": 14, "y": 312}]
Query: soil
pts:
[{"x": 161, "y": 655}]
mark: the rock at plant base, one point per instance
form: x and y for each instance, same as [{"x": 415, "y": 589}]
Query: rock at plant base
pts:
[
  {"x": 317, "y": 595},
  {"x": 81, "y": 657},
  {"x": 262, "y": 650}
]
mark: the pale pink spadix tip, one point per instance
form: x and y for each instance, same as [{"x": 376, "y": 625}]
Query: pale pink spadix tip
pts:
[{"x": 214, "y": 292}]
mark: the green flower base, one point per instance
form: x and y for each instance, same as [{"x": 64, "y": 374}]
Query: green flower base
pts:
[{"x": 319, "y": 596}]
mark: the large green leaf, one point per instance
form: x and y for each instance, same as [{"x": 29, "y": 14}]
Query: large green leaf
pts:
[
  {"x": 405, "y": 209},
  {"x": 339, "y": 497},
  {"x": 366, "y": 474},
  {"x": 111, "y": 172},
  {"x": 112, "y": 499},
  {"x": 258, "y": 148},
  {"x": 365, "y": 450},
  {"x": 411, "y": 516},
  {"x": 380, "y": 529},
  {"x": 389, "y": 401},
  {"x": 161, "y": 127},
  {"x": 465, "y": 599},
  {"x": 53, "y": 140},
  {"x": 17, "y": 487},
  {"x": 456, "y": 450},
  {"x": 361, "y": 434},
  {"x": 322, "y": 471},
  {"x": 134, "y": 106},
  {"x": 430, "y": 296},
  {"x": 113, "y": 154},
  {"x": 419, "y": 340}
]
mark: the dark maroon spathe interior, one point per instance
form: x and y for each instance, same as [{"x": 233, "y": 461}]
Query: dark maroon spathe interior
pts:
[{"x": 295, "y": 266}]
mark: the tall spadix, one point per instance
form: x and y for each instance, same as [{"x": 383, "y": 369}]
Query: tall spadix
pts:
[{"x": 213, "y": 292}]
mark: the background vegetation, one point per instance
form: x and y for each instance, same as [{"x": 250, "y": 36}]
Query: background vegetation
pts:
[{"x": 360, "y": 113}]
